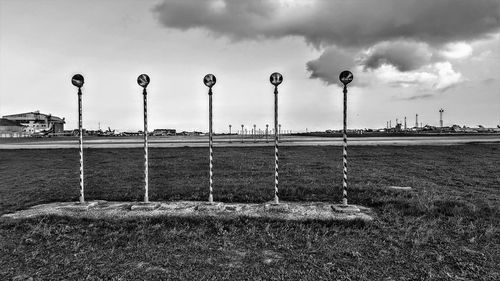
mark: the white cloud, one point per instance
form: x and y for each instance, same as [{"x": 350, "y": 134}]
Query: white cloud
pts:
[
  {"x": 458, "y": 50},
  {"x": 447, "y": 76},
  {"x": 391, "y": 75},
  {"x": 404, "y": 55},
  {"x": 439, "y": 76}
]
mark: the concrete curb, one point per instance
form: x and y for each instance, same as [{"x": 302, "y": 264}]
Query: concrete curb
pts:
[{"x": 294, "y": 211}]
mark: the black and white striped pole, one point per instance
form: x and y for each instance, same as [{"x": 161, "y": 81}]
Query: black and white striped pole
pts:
[
  {"x": 209, "y": 81},
  {"x": 143, "y": 81},
  {"x": 276, "y": 79},
  {"x": 77, "y": 81},
  {"x": 346, "y": 78}
]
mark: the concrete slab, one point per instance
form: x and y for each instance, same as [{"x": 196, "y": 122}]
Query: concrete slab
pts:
[
  {"x": 77, "y": 206},
  {"x": 295, "y": 211},
  {"x": 400, "y": 187},
  {"x": 206, "y": 206},
  {"x": 232, "y": 207},
  {"x": 282, "y": 207},
  {"x": 141, "y": 206},
  {"x": 340, "y": 208}
]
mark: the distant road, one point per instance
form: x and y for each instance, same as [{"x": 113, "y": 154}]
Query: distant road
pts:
[{"x": 225, "y": 141}]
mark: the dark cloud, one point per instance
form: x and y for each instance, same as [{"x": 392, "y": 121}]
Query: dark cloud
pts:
[
  {"x": 328, "y": 66},
  {"x": 401, "y": 33},
  {"x": 337, "y": 22},
  {"x": 403, "y": 55}
]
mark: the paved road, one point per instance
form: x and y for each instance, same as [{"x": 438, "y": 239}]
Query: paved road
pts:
[{"x": 224, "y": 141}]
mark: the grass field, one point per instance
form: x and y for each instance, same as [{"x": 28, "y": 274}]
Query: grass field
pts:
[{"x": 446, "y": 228}]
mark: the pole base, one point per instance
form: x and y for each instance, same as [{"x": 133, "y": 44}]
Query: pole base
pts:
[{"x": 341, "y": 208}]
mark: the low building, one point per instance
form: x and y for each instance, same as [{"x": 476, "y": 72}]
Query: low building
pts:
[
  {"x": 164, "y": 132},
  {"x": 9, "y": 129},
  {"x": 36, "y": 122}
]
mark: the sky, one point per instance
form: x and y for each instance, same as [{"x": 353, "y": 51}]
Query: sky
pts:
[{"x": 408, "y": 57}]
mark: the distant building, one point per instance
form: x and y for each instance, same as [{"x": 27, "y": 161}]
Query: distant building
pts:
[
  {"x": 10, "y": 129},
  {"x": 164, "y": 132},
  {"x": 193, "y": 133},
  {"x": 36, "y": 122}
]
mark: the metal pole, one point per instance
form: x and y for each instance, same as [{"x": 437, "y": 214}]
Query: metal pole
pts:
[
  {"x": 441, "y": 117},
  {"x": 146, "y": 166},
  {"x": 267, "y": 132},
  {"x": 80, "y": 143},
  {"x": 210, "y": 144},
  {"x": 229, "y": 133},
  {"x": 344, "y": 151},
  {"x": 276, "y": 199},
  {"x": 254, "y": 133},
  {"x": 279, "y": 132},
  {"x": 209, "y": 80},
  {"x": 242, "y": 132}
]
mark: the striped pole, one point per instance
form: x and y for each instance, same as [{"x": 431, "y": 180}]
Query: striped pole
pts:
[
  {"x": 143, "y": 81},
  {"x": 276, "y": 199},
  {"x": 209, "y": 81},
  {"x": 276, "y": 79},
  {"x": 80, "y": 143},
  {"x": 345, "y": 77},
  {"x": 210, "y": 144},
  {"x": 344, "y": 151},
  {"x": 146, "y": 159},
  {"x": 77, "y": 80}
]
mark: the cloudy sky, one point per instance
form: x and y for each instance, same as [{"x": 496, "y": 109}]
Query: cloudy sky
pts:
[{"x": 408, "y": 57}]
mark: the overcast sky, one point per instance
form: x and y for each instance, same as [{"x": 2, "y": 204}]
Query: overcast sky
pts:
[{"x": 408, "y": 57}]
